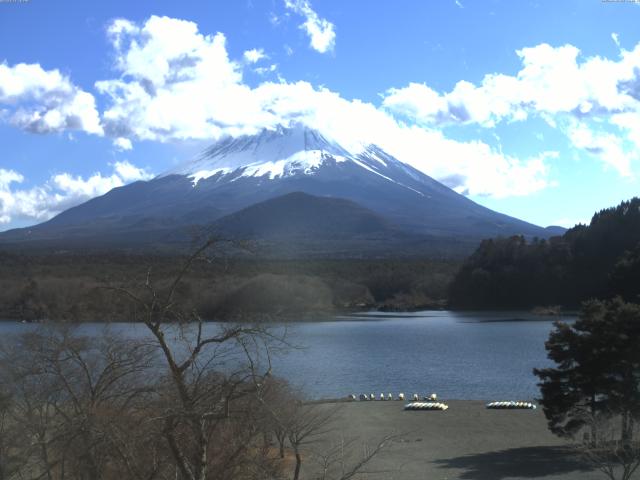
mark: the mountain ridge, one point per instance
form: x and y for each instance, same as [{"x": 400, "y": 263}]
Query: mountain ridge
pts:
[{"x": 235, "y": 173}]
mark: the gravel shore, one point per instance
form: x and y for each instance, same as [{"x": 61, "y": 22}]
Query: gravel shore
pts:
[{"x": 467, "y": 441}]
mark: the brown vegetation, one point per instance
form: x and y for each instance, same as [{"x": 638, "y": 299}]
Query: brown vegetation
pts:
[
  {"x": 72, "y": 287},
  {"x": 186, "y": 401}
]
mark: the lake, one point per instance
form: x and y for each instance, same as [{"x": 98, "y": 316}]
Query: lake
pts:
[{"x": 470, "y": 355}]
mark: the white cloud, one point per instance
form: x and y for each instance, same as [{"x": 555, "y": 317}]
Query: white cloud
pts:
[
  {"x": 321, "y": 32},
  {"x": 265, "y": 70},
  {"x": 119, "y": 28},
  {"x": 459, "y": 4},
  {"x": 60, "y": 192},
  {"x": 44, "y": 101},
  {"x": 468, "y": 167},
  {"x": 176, "y": 83},
  {"x": 254, "y": 55},
  {"x": 553, "y": 83},
  {"x": 7, "y": 177},
  {"x": 629, "y": 123},
  {"x": 130, "y": 173},
  {"x": 616, "y": 39},
  {"x": 122, "y": 143},
  {"x": 605, "y": 145}
]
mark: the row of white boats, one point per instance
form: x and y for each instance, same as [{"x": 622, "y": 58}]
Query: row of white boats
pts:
[
  {"x": 430, "y": 403},
  {"x": 492, "y": 405},
  {"x": 382, "y": 397}
]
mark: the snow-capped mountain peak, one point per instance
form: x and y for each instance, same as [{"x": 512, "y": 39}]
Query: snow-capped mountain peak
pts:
[{"x": 275, "y": 153}]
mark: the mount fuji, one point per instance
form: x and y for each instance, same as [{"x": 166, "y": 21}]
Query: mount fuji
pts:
[{"x": 277, "y": 186}]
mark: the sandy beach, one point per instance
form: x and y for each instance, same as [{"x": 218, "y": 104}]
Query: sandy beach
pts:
[{"x": 467, "y": 441}]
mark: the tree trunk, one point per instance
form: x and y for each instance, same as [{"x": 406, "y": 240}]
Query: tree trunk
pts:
[
  {"x": 203, "y": 445},
  {"x": 281, "y": 438},
  {"x": 594, "y": 429},
  {"x": 625, "y": 433},
  {"x": 296, "y": 474}
]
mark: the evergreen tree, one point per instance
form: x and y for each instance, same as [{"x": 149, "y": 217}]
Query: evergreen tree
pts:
[{"x": 597, "y": 371}]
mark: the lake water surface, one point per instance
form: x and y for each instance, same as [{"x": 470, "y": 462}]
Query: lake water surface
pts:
[{"x": 487, "y": 356}]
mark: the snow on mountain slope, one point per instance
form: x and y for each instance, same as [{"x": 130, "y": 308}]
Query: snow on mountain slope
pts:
[{"x": 278, "y": 153}]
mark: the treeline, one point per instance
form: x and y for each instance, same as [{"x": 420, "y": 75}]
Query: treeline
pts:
[
  {"x": 601, "y": 260},
  {"x": 77, "y": 287}
]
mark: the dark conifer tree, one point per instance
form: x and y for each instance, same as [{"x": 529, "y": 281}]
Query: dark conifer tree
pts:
[{"x": 597, "y": 372}]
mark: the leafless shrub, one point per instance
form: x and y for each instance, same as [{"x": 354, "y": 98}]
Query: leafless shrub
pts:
[{"x": 604, "y": 447}]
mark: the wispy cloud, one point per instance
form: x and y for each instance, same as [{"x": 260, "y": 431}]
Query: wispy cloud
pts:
[
  {"x": 616, "y": 39},
  {"x": 321, "y": 32}
]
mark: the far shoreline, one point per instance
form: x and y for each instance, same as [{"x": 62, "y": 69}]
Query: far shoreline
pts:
[{"x": 367, "y": 314}]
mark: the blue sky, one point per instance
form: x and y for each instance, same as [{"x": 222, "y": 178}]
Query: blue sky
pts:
[{"x": 530, "y": 108}]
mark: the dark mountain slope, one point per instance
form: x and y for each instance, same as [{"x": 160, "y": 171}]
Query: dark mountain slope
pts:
[{"x": 299, "y": 214}]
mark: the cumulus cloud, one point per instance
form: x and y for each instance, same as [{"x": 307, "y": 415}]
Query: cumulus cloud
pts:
[
  {"x": 44, "y": 101},
  {"x": 629, "y": 123},
  {"x": 321, "y": 32},
  {"x": 605, "y": 145},
  {"x": 554, "y": 82},
  {"x": 551, "y": 81},
  {"x": 173, "y": 82},
  {"x": 60, "y": 192},
  {"x": 176, "y": 83},
  {"x": 254, "y": 55}
]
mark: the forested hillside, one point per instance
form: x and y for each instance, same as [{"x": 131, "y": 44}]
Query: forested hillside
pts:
[
  {"x": 79, "y": 287},
  {"x": 599, "y": 260}
]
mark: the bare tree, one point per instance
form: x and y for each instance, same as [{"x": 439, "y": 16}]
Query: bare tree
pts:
[
  {"x": 10, "y": 463},
  {"x": 306, "y": 425},
  {"x": 70, "y": 396},
  {"x": 605, "y": 447},
  {"x": 337, "y": 463},
  {"x": 276, "y": 400},
  {"x": 199, "y": 391}
]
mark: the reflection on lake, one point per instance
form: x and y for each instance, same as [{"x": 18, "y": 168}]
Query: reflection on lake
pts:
[{"x": 467, "y": 355}]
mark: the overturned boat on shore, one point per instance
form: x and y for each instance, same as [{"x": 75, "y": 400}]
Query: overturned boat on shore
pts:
[
  {"x": 426, "y": 406},
  {"x": 511, "y": 405}
]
